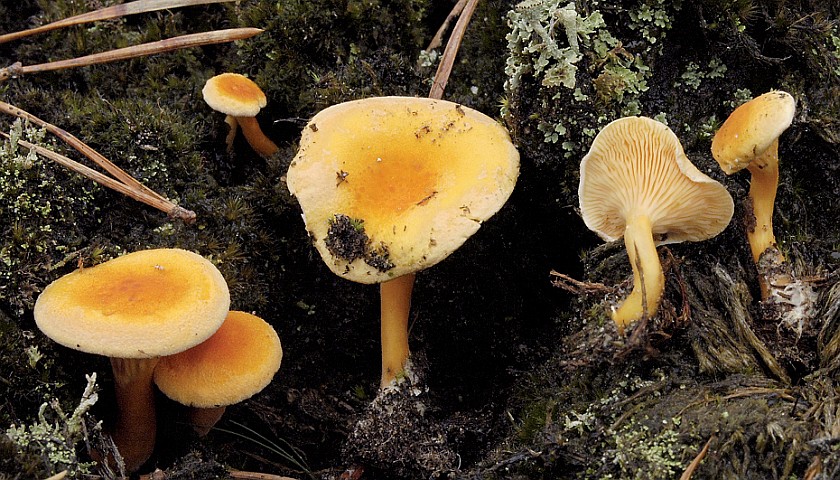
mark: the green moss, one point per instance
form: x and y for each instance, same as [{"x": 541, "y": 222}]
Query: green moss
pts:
[{"x": 41, "y": 205}]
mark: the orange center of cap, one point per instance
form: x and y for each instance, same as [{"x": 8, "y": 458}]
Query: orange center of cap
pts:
[
  {"x": 237, "y": 87},
  {"x": 137, "y": 295},
  {"x": 383, "y": 187}
]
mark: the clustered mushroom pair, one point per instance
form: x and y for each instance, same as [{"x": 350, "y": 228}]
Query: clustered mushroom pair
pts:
[
  {"x": 637, "y": 182},
  {"x": 161, "y": 316}
]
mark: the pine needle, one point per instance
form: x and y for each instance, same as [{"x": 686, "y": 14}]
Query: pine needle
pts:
[
  {"x": 151, "y": 48},
  {"x": 115, "y": 11}
]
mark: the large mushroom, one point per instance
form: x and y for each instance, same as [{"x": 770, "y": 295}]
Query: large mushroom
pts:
[
  {"x": 237, "y": 362},
  {"x": 749, "y": 138},
  {"x": 637, "y": 182},
  {"x": 389, "y": 186},
  {"x": 240, "y": 99},
  {"x": 135, "y": 309}
]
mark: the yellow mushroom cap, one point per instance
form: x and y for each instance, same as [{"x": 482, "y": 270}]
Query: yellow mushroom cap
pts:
[
  {"x": 751, "y": 129},
  {"x": 233, "y": 94},
  {"x": 636, "y": 166},
  {"x": 238, "y": 361},
  {"x": 392, "y": 185},
  {"x": 144, "y": 304}
]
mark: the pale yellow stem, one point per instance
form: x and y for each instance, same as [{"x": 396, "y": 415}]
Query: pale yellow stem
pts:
[
  {"x": 648, "y": 279},
  {"x": 204, "y": 419},
  {"x": 763, "y": 185},
  {"x": 136, "y": 425},
  {"x": 256, "y": 138},
  {"x": 395, "y": 303}
]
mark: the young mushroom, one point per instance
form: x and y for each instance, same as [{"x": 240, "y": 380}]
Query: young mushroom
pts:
[
  {"x": 389, "y": 186},
  {"x": 135, "y": 309},
  {"x": 636, "y": 182},
  {"x": 749, "y": 139},
  {"x": 237, "y": 362},
  {"x": 241, "y": 100}
]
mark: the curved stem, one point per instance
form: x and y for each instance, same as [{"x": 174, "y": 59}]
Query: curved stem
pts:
[
  {"x": 395, "y": 304},
  {"x": 763, "y": 185},
  {"x": 648, "y": 279},
  {"x": 256, "y": 138},
  {"x": 136, "y": 426}
]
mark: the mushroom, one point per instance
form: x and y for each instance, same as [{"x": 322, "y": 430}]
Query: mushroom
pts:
[
  {"x": 389, "y": 186},
  {"x": 134, "y": 309},
  {"x": 750, "y": 138},
  {"x": 240, "y": 99},
  {"x": 637, "y": 182},
  {"x": 238, "y": 361}
]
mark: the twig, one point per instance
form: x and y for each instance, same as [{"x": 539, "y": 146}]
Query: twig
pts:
[
  {"x": 127, "y": 180},
  {"x": 160, "y": 203},
  {"x": 83, "y": 148},
  {"x": 578, "y": 287},
  {"x": 689, "y": 471},
  {"x": 151, "y": 48},
  {"x": 256, "y": 476},
  {"x": 238, "y": 474},
  {"x": 437, "y": 40},
  {"x": 451, "y": 50},
  {"x": 130, "y": 8}
]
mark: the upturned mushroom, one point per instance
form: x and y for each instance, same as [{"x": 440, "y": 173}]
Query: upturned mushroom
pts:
[
  {"x": 389, "y": 186},
  {"x": 240, "y": 99},
  {"x": 637, "y": 182},
  {"x": 134, "y": 309},
  {"x": 749, "y": 138},
  {"x": 237, "y": 362}
]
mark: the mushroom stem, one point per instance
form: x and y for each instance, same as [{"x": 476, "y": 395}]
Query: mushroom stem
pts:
[
  {"x": 765, "y": 180},
  {"x": 395, "y": 304},
  {"x": 256, "y": 138},
  {"x": 648, "y": 279},
  {"x": 204, "y": 419},
  {"x": 233, "y": 126},
  {"x": 136, "y": 426}
]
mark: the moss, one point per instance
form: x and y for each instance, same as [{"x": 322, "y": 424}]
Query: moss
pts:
[{"x": 42, "y": 207}]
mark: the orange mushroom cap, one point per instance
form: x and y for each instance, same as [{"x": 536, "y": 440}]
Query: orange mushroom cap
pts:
[
  {"x": 238, "y": 361},
  {"x": 140, "y": 305},
  {"x": 392, "y": 185},
  {"x": 234, "y": 94},
  {"x": 752, "y": 128}
]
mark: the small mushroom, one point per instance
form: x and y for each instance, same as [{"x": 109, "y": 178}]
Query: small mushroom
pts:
[
  {"x": 749, "y": 139},
  {"x": 241, "y": 100},
  {"x": 389, "y": 186},
  {"x": 637, "y": 182},
  {"x": 134, "y": 309},
  {"x": 237, "y": 362}
]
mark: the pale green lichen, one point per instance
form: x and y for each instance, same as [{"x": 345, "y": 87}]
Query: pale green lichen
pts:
[
  {"x": 659, "y": 451},
  {"x": 54, "y": 436},
  {"x": 541, "y": 51},
  {"x": 552, "y": 40},
  {"x": 693, "y": 76}
]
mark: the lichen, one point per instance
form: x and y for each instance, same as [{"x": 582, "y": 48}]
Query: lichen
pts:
[
  {"x": 55, "y": 436},
  {"x": 580, "y": 61}
]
